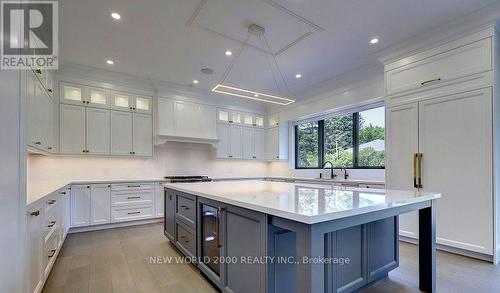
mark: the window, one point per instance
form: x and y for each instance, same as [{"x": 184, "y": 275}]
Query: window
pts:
[
  {"x": 347, "y": 141},
  {"x": 307, "y": 145}
]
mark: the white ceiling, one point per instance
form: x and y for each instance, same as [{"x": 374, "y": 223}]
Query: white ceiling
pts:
[{"x": 172, "y": 40}]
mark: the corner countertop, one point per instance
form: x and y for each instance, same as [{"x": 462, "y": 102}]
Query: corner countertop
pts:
[
  {"x": 38, "y": 189},
  {"x": 302, "y": 202}
]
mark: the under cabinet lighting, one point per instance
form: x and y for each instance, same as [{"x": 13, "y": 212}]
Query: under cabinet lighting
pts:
[
  {"x": 115, "y": 15},
  {"x": 229, "y": 53},
  {"x": 373, "y": 41},
  {"x": 298, "y": 75},
  {"x": 195, "y": 81},
  {"x": 252, "y": 95},
  {"x": 110, "y": 62}
]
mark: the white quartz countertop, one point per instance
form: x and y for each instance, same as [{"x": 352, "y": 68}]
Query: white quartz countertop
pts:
[
  {"x": 302, "y": 202},
  {"x": 38, "y": 189}
]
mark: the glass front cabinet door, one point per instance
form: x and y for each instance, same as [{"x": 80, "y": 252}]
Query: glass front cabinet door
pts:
[
  {"x": 131, "y": 102},
  {"x": 72, "y": 94},
  {"x": 76, "y": 94},
  {"x": 209, "y": 239}
]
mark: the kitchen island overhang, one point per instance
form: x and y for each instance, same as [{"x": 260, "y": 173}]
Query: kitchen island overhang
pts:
[{"x": 316, "y": 225}]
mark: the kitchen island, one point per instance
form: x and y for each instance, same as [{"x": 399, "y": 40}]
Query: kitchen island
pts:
[{"x": 261, "y": 236}]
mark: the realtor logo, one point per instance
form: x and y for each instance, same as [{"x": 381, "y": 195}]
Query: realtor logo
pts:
[{"x": 29, "y": 34}]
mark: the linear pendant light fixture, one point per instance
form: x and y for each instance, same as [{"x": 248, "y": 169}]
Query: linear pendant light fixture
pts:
[{"x": 222, "y": 88}]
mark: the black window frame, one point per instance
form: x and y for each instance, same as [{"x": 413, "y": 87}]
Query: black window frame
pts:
[{"x": 321, "y": 146}]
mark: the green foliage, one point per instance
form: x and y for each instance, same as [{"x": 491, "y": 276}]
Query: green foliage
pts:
[
  {"x": 371, "y": 133},
  {"x": 341, "y": 158},
  {"x": 308, "y": 145},
  {"x": 370, "y": 157}
]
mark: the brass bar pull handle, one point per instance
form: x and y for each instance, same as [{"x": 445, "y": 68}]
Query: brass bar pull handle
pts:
[
  {"x": 420, "y": 159},
  {"x": 35, "y": 213},
  {"x": 51, "y": 224},
  {"x": 217, "y": 227},
  {"x": 133, "y": 213},
  {"x": 52, "y": 253},
  {"x": 415, "y": 159},
  {"x": 133, "y": 197},
  {"x": 430, "y": 81}
]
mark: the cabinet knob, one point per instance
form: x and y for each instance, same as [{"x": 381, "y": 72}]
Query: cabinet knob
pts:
[
  {"x": 109, "y": 185},
  {"x": 83, "y": 101},
  {"x": 49, "y": 90},
  {"x": 230, "y": 156},
  {"x": 64, "y": 192},
  {"x": 35, "y": 213},
  {"x": 38, "y": 71},
  {"x": 88, "y": 186}
]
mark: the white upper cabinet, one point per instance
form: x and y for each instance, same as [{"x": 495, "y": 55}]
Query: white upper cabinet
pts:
[
  {"x": 223, "y": 134},
  {"x": 76, "y": 94},
  {"x": 124, "y": 101},
  {"x": 97, "y": 97},
  {"x": 121, "y": 101},
  {"x": 441, "y": 66},
  {"x": 72, "y": 94},
  {"x": 248, "y": 143},
  {"x": 143, "y": 104},
  {"x": 98, "y": 131},
  {"x": 121, "y": 133},
  {"x": 259, "y": 144},
  {"x": 273, "y": 120},
  {"x": 234, "y": 117},
  {"x": 186, "y": 121},
  {"x": 142, "y": 135},
  {"x": 41, "y": 116},
  {"x": 235, "y": 142},
  {"x": 72, "y": 129}
]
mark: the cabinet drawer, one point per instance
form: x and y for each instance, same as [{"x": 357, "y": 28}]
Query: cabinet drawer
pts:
[
  {"x": 49, "y": 252},
  {"x": 139, "y": 197},
  {"x": 440, "y": 69},
  {"x": 185, "y": 239},
  {"x": 51, "y": 204},
  {"x": 122, "y": 214},
  {"x": 50, "y": 226},
  {"x": 186, "y": 209},
  {"x": 132, "y": 186}
]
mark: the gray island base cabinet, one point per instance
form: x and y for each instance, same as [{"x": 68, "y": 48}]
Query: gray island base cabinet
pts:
[{"x": 242, "y": 249}]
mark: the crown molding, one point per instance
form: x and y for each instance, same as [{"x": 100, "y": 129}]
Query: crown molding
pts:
[{"x": 479, "y": 20}]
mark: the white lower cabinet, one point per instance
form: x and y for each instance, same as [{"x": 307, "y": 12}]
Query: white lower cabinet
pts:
[
  {"x": 100, "y": 204},
  {"x": 159, "y": 200},
  {"x": 453, "y": 138},
  {"x": 35, "y": 248},
  {"x": 47, "y": 223},
  {"x": 80, "y": 205},
  {"x": 132, "y": 201}
]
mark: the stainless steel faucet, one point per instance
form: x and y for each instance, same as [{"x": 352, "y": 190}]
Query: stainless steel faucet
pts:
[{"x": 332, "y": 175}]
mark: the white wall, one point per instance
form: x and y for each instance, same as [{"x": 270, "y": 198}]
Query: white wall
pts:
[
  {"x": 332, "y": 96},
  {"x": 169, "y": 159}
]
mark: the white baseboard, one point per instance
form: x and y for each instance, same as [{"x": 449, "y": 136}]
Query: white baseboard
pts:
[
  {"x": 472, "y": 254},
  {"x": 114, "y": 225}
]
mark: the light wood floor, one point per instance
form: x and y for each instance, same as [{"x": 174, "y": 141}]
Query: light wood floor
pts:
[{"x": 118, "y": 260}]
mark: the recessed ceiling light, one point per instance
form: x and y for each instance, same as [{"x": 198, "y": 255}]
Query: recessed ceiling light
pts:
[
  {"x": 195, "y": 81},
  {"x": 374, "y": 41},
  {"x": 228, "y": 53},
  {"x": 298, "y": 75},
  {"x": 110, "y": 62},
  {"x": 115, "y": 15}
]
